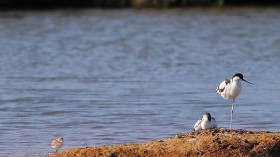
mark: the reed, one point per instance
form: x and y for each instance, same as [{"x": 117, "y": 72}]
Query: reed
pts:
[
  {"x": 150, "y": 3},
  {"x": 174, "y": 3},
  {"x": 10, "y": 4}
]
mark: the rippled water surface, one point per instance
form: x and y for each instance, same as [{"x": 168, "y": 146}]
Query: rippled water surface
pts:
[{"x": 99, "y": 77}]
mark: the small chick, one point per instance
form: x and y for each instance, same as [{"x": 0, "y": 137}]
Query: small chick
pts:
[{"x": 57, "y": 143}]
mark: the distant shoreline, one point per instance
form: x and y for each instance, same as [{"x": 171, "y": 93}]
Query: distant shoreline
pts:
[{"x": 49, "y": 4}]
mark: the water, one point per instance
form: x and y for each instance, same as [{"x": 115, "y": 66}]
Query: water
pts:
[{"x": 125, "y": 76}]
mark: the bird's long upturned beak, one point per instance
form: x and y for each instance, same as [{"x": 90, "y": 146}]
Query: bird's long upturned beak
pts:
[{"x": 247, "y": 81}]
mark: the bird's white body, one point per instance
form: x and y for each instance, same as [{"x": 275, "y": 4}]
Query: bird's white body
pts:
[
  {"x": 230, "y": 89},
  {"x": 197, "y": 125},
  {"x": 207, "y": 122},
  {"x": 57, "y": 143}
]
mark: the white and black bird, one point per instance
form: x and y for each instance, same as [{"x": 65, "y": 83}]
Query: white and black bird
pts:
[
  {"x": 230, "y": 89},
  {"x": 206, "y": 122},
  {"x": 57, "y": 143}
]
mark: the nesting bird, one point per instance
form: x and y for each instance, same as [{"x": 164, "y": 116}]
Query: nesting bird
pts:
[
  {"x": 230, "y": 89},
  {"x": 57, "y": 143},
  {"x": 206, "y": 122}
]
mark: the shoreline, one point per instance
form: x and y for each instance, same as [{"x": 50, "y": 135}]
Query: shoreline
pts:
[{"x": 216, "y": 142}]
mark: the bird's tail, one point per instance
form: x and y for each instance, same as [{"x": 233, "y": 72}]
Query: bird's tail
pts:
[{"x": 218, "y": 90}]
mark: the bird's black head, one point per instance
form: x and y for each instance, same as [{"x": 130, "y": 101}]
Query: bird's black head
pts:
[
  {"x": 241, "y": 77},
  {"x": 208, "y": 116},
  {"x": 238, "y": 75}
]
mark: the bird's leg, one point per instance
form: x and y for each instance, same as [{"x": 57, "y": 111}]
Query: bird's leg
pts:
[
  {"x": 231, "y": 113},
  {"x": 56, "y": 150}
]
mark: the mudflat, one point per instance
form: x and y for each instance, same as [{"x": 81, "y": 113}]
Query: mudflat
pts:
[{"x": 215, "y": 142}]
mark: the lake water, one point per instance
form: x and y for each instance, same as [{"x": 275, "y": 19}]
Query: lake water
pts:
[{"x": 99, "y": 77}]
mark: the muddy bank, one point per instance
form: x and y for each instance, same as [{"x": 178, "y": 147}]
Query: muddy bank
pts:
[{"x": 217, "y": 142}]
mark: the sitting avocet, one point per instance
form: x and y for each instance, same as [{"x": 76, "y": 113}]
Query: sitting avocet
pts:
[{"x": 207, "y": 122}]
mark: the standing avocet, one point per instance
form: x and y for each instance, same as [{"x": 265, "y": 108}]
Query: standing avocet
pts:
[
  {"x": 230, "y": 89},
  {"x": 207, "y": 122}
]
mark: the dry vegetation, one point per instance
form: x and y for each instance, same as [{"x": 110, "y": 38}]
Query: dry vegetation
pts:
[{"x": 217, "y": 142}]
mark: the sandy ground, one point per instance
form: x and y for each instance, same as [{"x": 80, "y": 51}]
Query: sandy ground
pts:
[{"x": 207, "y": 143}]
